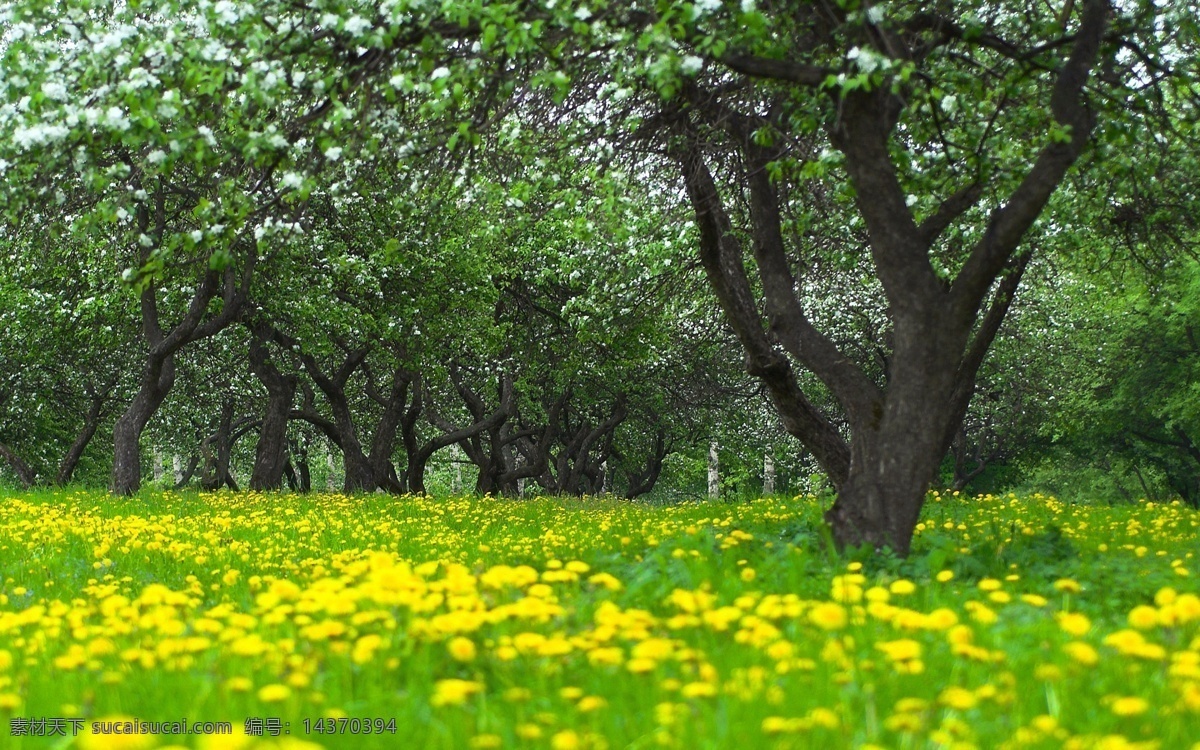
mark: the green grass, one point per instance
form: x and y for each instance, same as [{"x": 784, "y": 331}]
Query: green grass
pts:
[{"x": 694, "y": 625}]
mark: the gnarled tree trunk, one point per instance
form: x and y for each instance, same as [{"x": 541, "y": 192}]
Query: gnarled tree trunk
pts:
[{"x": 270, "y": 455}]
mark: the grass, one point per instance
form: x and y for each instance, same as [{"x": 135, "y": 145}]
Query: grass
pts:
[{"x": 476, "y": 623}]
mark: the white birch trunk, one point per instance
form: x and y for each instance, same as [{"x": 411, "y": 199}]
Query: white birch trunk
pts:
[
  {"x": 177, "y": 465},
  {"x": 714, "y": 477},
  {"x": 158, "y": 465},
  {"x": 455, "y": 455},
  {"x": 768, "y": 474}
]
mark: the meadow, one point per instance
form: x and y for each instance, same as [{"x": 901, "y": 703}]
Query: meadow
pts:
[{"x": 1018, "y": 622}]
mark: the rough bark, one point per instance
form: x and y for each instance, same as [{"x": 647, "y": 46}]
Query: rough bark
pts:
[
  {"x": 395, "y": 410},
  {"x": 270, "y": 454},
  {"x": 156, "y": 383}
]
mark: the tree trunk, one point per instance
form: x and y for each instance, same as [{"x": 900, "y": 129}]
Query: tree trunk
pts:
[
  {"x": 127, "y": 432},
  {"x": 714, "y": 477},
  {"x": 644, "y": 480},
  {"x": 25, "y": 474},
  {"x": 270, "y": 455},
  {"x": 768, "y": 474},
  {"x": 299, "y": 450},
  {"x": 893, "y": 464},
  {"x": 394, "y": 417},
  {"x": 456, "y": 482},
  {"x": 91, "y": 422},
  {"x": 216, "y": 469},
  {"x": 185, "y": 474}
]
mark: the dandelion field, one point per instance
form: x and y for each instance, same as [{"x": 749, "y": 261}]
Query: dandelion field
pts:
[{"x": 1016, "y": 623}]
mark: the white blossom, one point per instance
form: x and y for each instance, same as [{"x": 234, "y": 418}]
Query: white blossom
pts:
[
  {"x": 442, "y": 72},
  {"x": 333, "y": 153},
  {"x": 38, "y": 135},
  {"x": 140, "y": 78},
  {"x": 55, "y": 90},
  {"x": 866, "y": 59},
  {"x": 704, "y": 7},
  {"x": 227, "y": 12},
  {"x": 356, "y": 25},
  {"x": 691, "y": 65}
]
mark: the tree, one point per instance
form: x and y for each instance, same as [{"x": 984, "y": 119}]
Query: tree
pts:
[{"x": 950, "y": 132}]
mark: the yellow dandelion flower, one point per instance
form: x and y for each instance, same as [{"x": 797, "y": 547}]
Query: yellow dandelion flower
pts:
[
  {"x": 461, "y": 649},
  {"x": 1074, "y": 623},
  {"x": 1082, "y": 653},
  {"x": 824, "y": 717},
  {"x": 902, "y": 587},
  {"x": 958, "y": 698},
  {"x": 829, "y": 616},
  {"x": 1129, "y": 706},
  {"x": 274, "y": 693},
  {"x": 698, "y": 690},
  {"x": 454, "y": 692},
  {"x": 1143, "y": 617},
  {"x": 900, "y": 650},
  {"x": 590, "y": 703}
]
